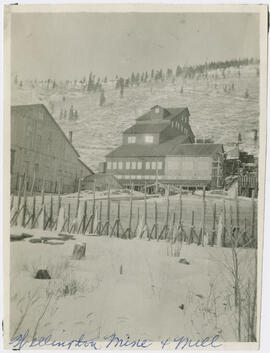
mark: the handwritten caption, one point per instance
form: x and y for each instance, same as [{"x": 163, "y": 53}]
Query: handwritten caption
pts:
[{"x": 112, "y": 341}]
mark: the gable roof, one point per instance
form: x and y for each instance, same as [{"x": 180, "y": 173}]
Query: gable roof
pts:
[
  {"x": 147, "y": 128},
  {"x": 89, "y": 169},
  {"x": 30, "y": 108},
  {"x": 178, "y": 146},
  {"x": 169, "y": 113}
]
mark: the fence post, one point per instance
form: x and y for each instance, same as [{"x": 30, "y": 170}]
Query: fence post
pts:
[
  {"x": 19, "y": 192},
  {"x": 180, "y": 206},
  {"x": 68, "y": 218},
  {"x": 168, "y": 211},
  {"x": 223, "y": 240},
  {"x": 156, "y": 220},
  {"x": 51, "y": 213},
  {"x": 24, "y": 204},
  {"x": 237, "y": 218},
  {"x": 201, "y": 239},
  {"x": 33, "y": 211},
  {"x": 108, "y": 210},
  {"x": 118, "y": 220},
  {"x": 214, "y": 225},
  {"x": 130, "y": 212},
  {"x": 84, "y": 216},
  {"x": 78, "y": 198},
  {"x": 190, "y": 240},
  {"x": 42, "y": 192},
  {"x": 33, "y": 183},
  {"x": 253, "y": 228},
  {"x": 93, "y": 208}
]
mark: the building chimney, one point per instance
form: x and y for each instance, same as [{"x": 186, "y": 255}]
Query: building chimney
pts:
[{"x": 70, "y": 136}]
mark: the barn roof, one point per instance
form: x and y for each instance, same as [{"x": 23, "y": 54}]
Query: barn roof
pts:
[
  {"x": 30, "y": 109},
  {"x": 178, "y": 146}
]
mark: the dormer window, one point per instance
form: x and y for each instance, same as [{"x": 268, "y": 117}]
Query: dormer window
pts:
[
  {"x": 157, "y": 110},
  {"x": 149, "y": 139},
  {"x": 131, "y": 139}
]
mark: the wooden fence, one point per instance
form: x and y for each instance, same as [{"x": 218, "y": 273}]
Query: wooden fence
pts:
[{"x": 150, "y": 219}]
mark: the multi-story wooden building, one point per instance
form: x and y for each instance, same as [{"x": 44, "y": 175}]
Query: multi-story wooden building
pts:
[
  {"x": 161, "y": 147},
  {"x": 41, "y": 152}
]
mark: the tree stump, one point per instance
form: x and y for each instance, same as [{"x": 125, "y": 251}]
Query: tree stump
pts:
[
  {"x": 79, "y": 251},
  {"x": 42, "y": 274}
]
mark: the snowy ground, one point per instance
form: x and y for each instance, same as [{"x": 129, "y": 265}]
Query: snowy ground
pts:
[
  {"x": 214, "y": 113},
  {"x": 124, "y": 286}
]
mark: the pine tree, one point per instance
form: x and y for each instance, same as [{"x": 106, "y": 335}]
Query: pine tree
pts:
[
  {"x": 127, "y": 82},
  {"x": 71, "y": 113},
  {"x": 122, "y": 84},
  {"x": 102, "y": 98},
  {"x": 90, "y": 83},
  {"x": 178, "y": 71},
  {"x": 133, "y": 79},
  {"x": 137, "y": 78},
  {"x": 146, "y": 76},
  {"x": 76, "y": 115},
  {"x": 152, "y": 73}
]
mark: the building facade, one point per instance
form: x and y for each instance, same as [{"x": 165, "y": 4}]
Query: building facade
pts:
[
  {"x": 161, "y": 147},
  {"x": 41, "y": 153}
]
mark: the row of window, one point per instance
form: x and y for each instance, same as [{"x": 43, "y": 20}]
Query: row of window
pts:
[
  {"x": 134, "y": 165},
  {"x": 139, "y": 177},
  {"x": 147, "y": 139}
]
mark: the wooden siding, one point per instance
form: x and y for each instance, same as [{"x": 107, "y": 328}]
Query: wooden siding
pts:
[
  {"x": 188, "y": 168},
  {"x": 39, "y": 147}
]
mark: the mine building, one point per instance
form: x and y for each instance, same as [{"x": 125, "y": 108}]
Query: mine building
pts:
[
  {"x": 161, "y": 148},
  {"x": 41, "y": 153}
]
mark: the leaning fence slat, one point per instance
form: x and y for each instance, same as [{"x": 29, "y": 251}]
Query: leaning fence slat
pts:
[
  {"x": 33, "y": 183},
  {"x": 84, "y": 217},
  {"x": 19, "y": 192},
  {"x": 68, "y": 218},
  {"x": 33, "y": 211},
  {"x": 24, "y": 205}
]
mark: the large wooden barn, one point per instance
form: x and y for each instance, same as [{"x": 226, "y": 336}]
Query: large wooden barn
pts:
[
  {"x": 42, "y": 153},
  {"x": 161, "y": 147}
]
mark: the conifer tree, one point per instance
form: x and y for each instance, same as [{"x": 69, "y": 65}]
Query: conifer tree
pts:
[{"x": 102, "y": 98}]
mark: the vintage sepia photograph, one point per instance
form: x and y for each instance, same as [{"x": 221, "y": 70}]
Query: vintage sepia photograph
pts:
[{"x": 136, "y": 153}]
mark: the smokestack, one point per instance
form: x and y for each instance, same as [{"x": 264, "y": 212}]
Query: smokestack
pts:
[{"x": 70, "y": 136}]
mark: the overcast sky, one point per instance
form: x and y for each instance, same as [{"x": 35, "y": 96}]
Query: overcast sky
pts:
[{"x": 69, "y": 46}]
